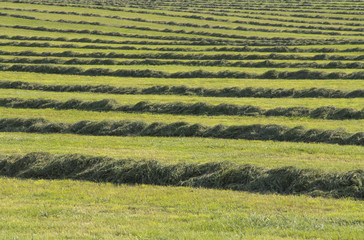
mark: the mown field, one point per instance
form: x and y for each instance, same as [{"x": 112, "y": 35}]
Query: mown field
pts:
[{"x": 181, "y": 119}]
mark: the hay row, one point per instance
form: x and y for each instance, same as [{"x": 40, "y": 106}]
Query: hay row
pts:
[
  {"x": 183, "y": 129},
  {"x": 180, "y": 108},
  {"x": 204, "y": 42},
  {"x": 219, "y": 63},
  {"x": 217, "y": 175},
  {"x": 147, "y": 73},
  {"x": 277, "y": 49},
  {"x": 188, "y": 56},
  {"x": 275, "y": 41},
  {"x": 184, "y": 90}
]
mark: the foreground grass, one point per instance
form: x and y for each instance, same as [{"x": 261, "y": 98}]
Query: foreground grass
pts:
[
  {"x": 268, "y": 154},
  {"x": 42, "y": 209},
  {"x": 344, "y": 85}
]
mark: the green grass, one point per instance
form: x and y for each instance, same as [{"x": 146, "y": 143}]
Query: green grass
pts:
[
  {"x": 344, "y": 85},
  {"x": 42, "y": 209}
]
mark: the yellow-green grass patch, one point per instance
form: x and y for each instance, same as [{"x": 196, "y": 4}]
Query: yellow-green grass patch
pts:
[{"x": 51, "y": 209}]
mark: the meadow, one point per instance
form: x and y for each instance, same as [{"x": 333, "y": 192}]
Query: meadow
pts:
[{"x": 181, "y": 119}]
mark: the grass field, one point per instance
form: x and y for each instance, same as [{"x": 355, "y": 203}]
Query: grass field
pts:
[
  {"x": 53, "y": 210},
  {"x": 307, "y": 186}
]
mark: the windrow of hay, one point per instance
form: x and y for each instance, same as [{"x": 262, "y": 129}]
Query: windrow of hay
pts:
[
  {"x": 218, "y": 63},
  {"x": 260, "y": 92},
  {"x": 180, "y": 108},
  {"x": 183, "y": 129},
  {"x": 204, "y": 42},
  {"x": 185, "y": 56},
  {"x": 271, "y": 74},
  {"x": 219, "y": 175},
  {"x": 276, "y": 49}
]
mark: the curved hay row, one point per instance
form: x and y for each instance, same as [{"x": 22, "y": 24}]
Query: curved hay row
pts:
[
  {"x": 180, "y": 108},
  {"x": 184, "y": 90},
  {"x": 183, "y": 129},
  {"x": 222, "y": 175},
  {"x": 219, "y": 63},
  {"x": 271, "y": 74}
]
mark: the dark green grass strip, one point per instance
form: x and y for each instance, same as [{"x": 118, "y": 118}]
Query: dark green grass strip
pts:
[
  {"x": 180, "y": 108},
  {"x": 204, "y": 42},
  {"x": 184, "y": 90},
  {"x": 183, "y": 129},
  {"x": 219, "y": 63},
  {"x": 88, "y": 40},
  {"x": 188, "y": 56},
  {"x": 276, "y": 49},
  {"x": 222, "y": 175},
  {"x": 271, "y": 74}
]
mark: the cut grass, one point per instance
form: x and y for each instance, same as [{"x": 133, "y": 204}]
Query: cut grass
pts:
[
  {"x": 170, "y": 150},
  {"x": 51, "y": 209},
  {"x": 265, "y": 103},
  {"x": 74, "y": 116},
  {"x": 207, "y": 53},
  {"x": 212, "y": 175},
  {"x": 345, "y": 85},
  {"x": 30, "y": 33},
  {"x": 63, "y": 59}
]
